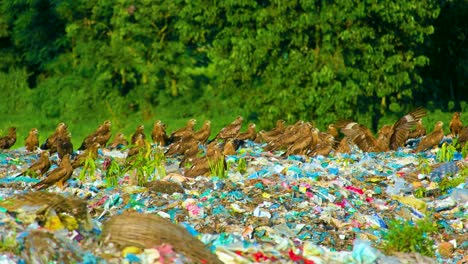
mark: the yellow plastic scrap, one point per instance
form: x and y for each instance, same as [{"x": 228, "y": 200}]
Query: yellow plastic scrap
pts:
[
  {"x": 413, "y": 202},
  {"x": 131, "y": 250},
  {"x": 266, "y": 195},
  {"x": 53, "y": 223},
  {"x": 69, "y": 222}
]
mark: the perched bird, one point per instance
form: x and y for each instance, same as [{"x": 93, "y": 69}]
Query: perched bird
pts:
[
  {"x": 9, "y": 140},
  {"x": 204, "y": 133},
  {"x": 331, "y": 129},
  {"x": 140, "y": 130},
  {"x": 190, "y": 154},
  {"x": 433, "y": 139},
  {"x": 158, "y": 134},
  {"x": 38, "y": 168},
  {"x": 304, "y": 140},
  {"x": 91, "y": 152},
  {"x": 362, "y": 137},
  {"x": 291, "y": 134},
  {"x": 463, "y": 136},
  {"x": 229, "y": 147},
  {"x": 455, "y": 125},
  {"x": 50, "y": 142},
  {"x": 101, "y": 135},
  {"x": 183, "y": 132},
  {"x": 64, "y": 145},
  {"x": 57, "y": 176},
  {"x": 325, "y": 144},
  {"x": 344, "y": 145},
  {"x": 401, "y": 129},
  {"x": 179, "y": 147},
  {"x": 204, "y": 165},
  {"x": 231, "y": 130},
  {"x": 140, "y": 144},
  {"x": 119, "y": 141},
  {"x": 419, "y": 130},
  {"x": 271, "y": 135},
  {"x": 250, "y": 134},
  {"x": 32, "y": 140}
]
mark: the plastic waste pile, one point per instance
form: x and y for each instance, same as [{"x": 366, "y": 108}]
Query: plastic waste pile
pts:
[{"x": 267, "y": 209}]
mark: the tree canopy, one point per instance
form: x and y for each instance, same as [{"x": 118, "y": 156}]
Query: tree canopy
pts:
[{"x": 313, "y": 60}]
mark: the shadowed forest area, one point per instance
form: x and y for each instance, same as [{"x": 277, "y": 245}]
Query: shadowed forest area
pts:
[{"x": 133, "y": 62}]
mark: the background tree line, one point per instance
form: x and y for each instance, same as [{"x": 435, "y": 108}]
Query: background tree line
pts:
[{"x": 85, "y": 61}]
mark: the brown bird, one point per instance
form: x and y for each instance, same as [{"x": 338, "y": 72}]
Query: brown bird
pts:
[
  {"x": 202, "y": 166},
  {"x": 38, "y": 168},
  {"x": 325, "y": 144},
  {"x": 140, "y": 130},
  {"x": 231, "y": 130},
  {"x": 401, "y": 129},
  {"x": 344, "y": 146},
  {"x": 179, "y": 147},
  {"x": 419, "y": 130},
  {"x": 101, "y": 135},
  {"x": 331, "y": 129},
  {"x": 204, "y": 133},
  {"x": 362, "y": 137},
  {"x": 57, "y": 176},
  {"x": 250, "y": 134},
  {"x": 119, "y": 141},
  {"x": 463, "y": 136},
  {"x": 9, "y": 140},
  {"x": 139, "y": 145},
  {"x": 433, "y": 139},
  {"x": 455, "y": 125},
  {"x": 291, "y": 134},
  {"x": 50, "y": 142},
  {"x": 183, "y": 132},
  {"x": 64, "y": 145},
  {"x": 158, "y": 134},
  {"x": 304, "y": 140},
  {"x": 190, "y": 155},
  {"x": 32, "y": 140},
  {"x": 90, "y": 152},
  {"x": 229, "y": 147}
]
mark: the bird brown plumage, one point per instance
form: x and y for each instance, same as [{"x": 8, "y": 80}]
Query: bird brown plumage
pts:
[
  {"x": 331, "y": 129},
  {"x": 325, "y": 144},
  {"x": 362, "y": 137},
  {"x": 204, "y": 133},
  {"x": 32, "y": 140},
  {"x": 401, "y": 129},
  {"x": 101, "y": 135},
  {"x": 229, "y": 147},
  {"x": 250, "y": 134},
  {"x": 140, "y": 130},
  {"x": 50, "y": 142},
  {"x": 419, "y": 130},
  {"x": 118, "y": 142},
  {"x": 463, "y": 136},
  {"x": 190, "y": 155},
  {"x": 456, "y": 124},
  {"x": 291, "y": 134},
  {"x": 57, "y": 176},
  {"x": 344, "y": 145},
  {"x": 185, "y": 131},
  {"x": 140, "y": 144},
  {"x": 64, "y": 145},
  {"x": 9, "y": 140},
  {"x": 271, "y": 135},
  {"x": 433, "y": 139},
  {"x": 202, "y": 166},
  {"x": 90, "y": 152},
  {"x": 158, "y": 134},
  {"x": 305, "y": 140},
  {"x": 179, "y": 147},
  {"x": 231, "y": 130},
  {"x": 38, "y": 168}
]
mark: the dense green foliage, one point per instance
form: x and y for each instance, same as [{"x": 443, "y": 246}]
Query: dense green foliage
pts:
[{"x": 84, "y": 61}]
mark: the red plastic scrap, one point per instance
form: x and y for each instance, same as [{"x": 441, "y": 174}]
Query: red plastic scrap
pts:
[
  {"x": 354, "y": 189},
  {"x": 297, "y": 258}
]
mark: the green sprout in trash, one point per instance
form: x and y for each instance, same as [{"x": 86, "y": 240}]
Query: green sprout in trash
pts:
[
  {"x": 464, "y": 151},
  {"x": 218, "y": 168},
  {"x": 420, "y": 192},
  {"x": 423, "y": 165},
  {"x": 449, "y": 182},
  {"x": 404, "y": 236},
  {"x": 148, "y": 162},
  {"x": 112, "y": 174},
  {"x": 242, "y": 166},
  {"x": 9, "y": 244},
  {"x": 89, "y": 167},
  {"x": 446, "y": 153}
]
